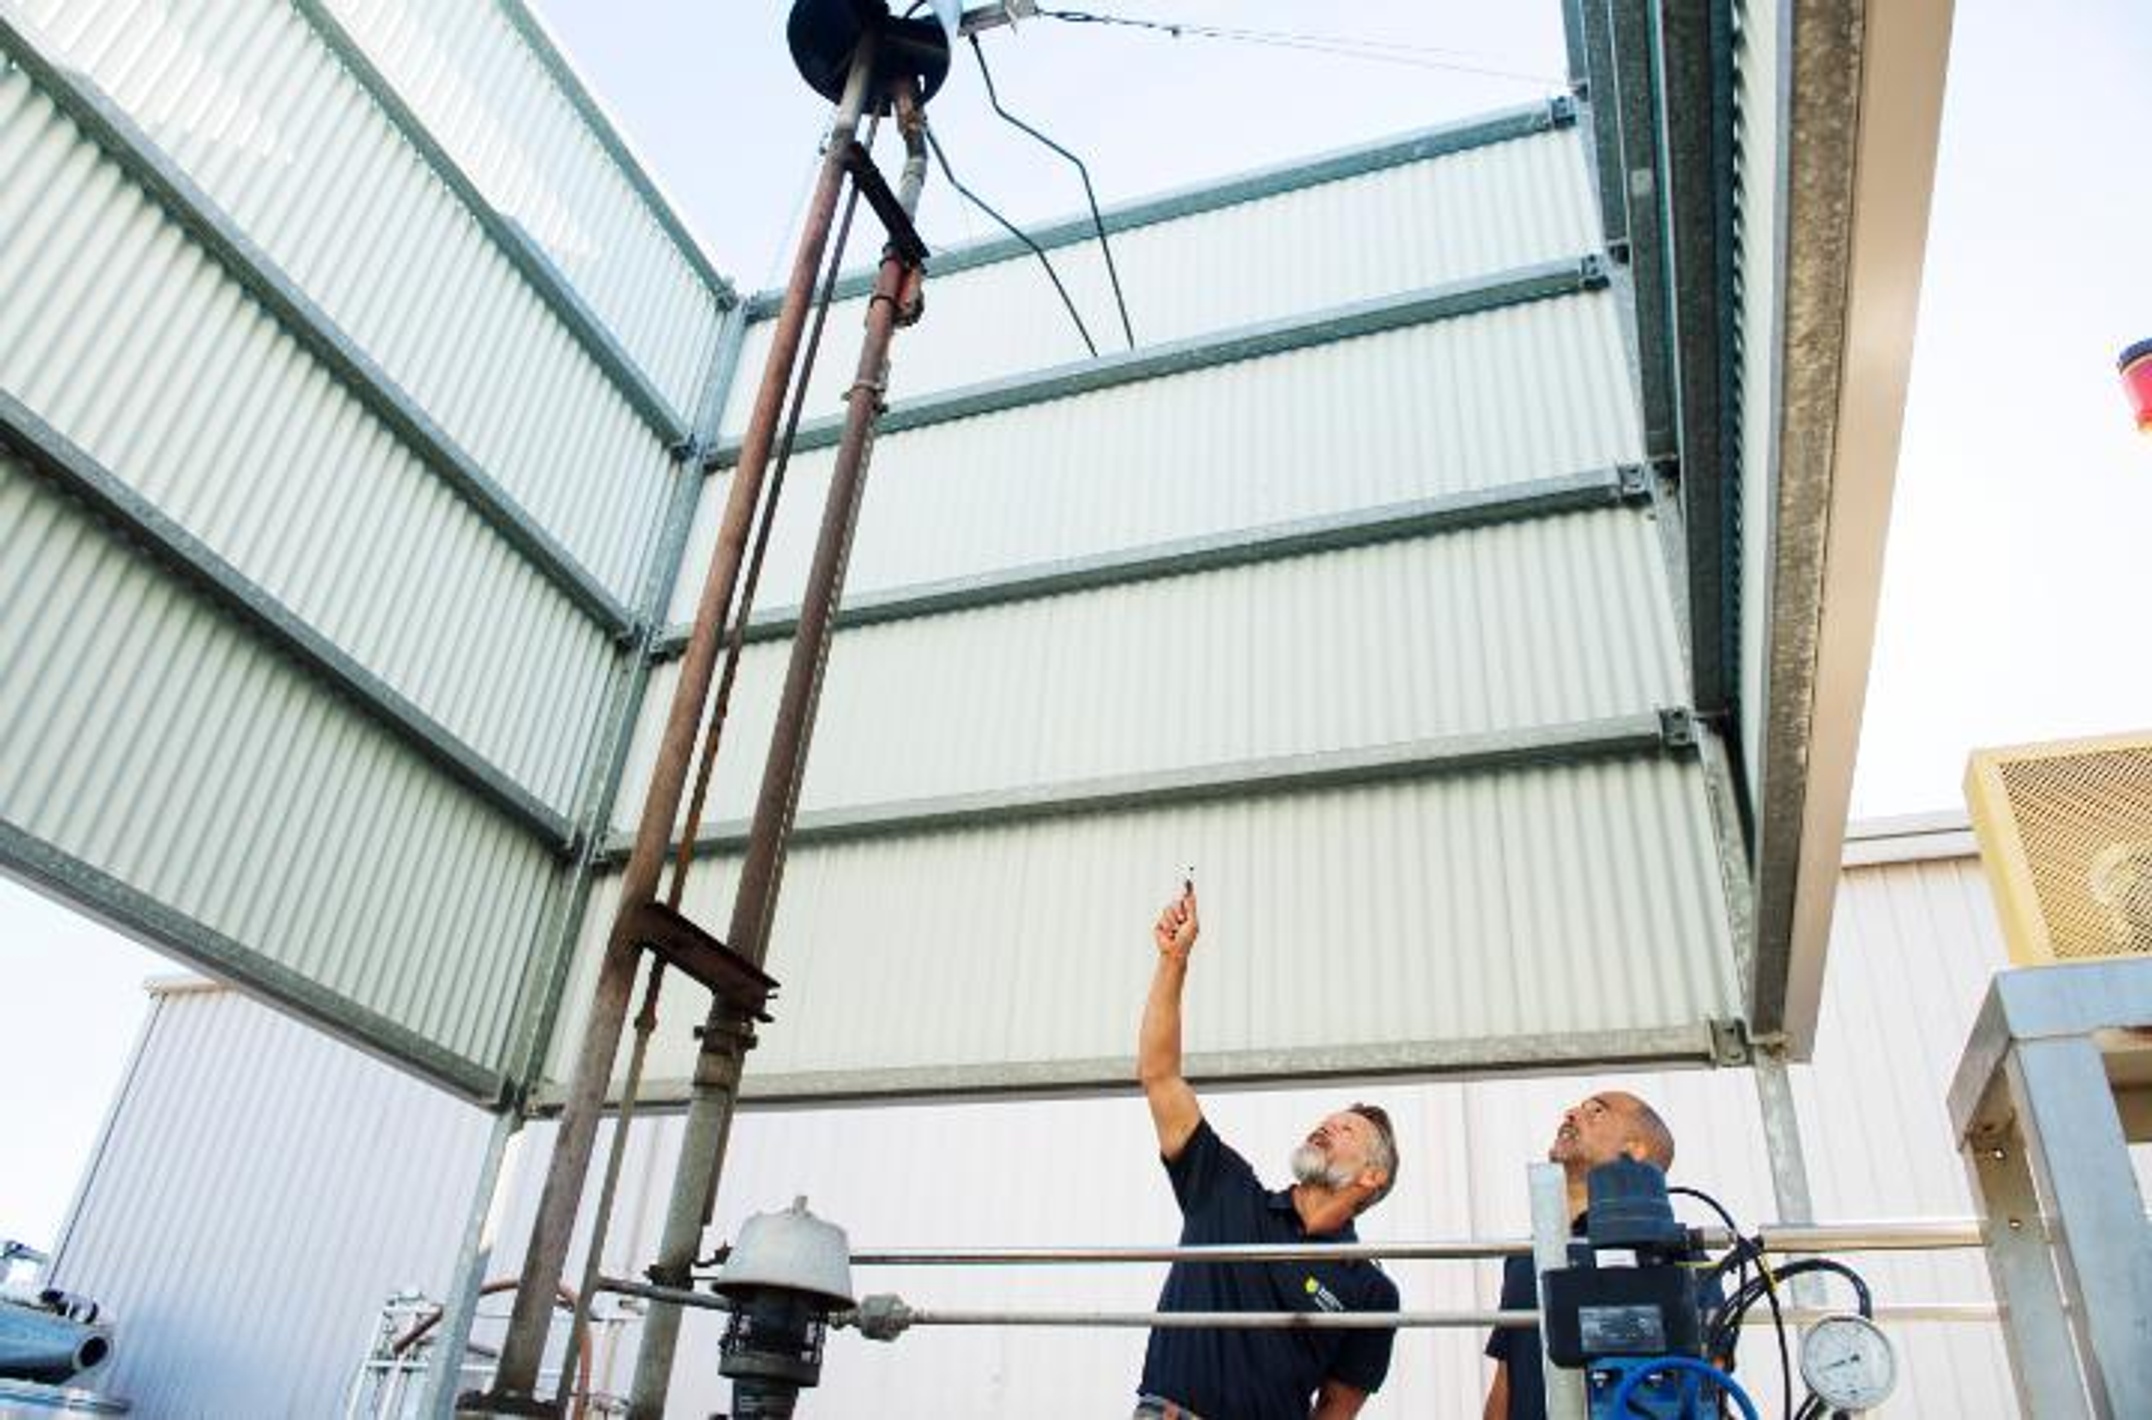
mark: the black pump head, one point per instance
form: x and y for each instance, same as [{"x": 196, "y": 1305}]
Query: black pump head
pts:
[{"x": 824, "y": 33}]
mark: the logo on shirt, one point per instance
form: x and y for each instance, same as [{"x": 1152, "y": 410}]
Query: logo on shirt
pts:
[{"x": 1323, "y": 1296}]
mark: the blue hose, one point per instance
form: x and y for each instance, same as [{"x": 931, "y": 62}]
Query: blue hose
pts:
[{"x": 1689, "y": 1365}]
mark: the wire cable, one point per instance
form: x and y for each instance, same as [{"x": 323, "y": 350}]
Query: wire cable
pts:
[
  {"x": 1340, "y": 46},
  {"x": 1017, "y": 232},
  {"x": 1098, "y": 223},
  {"x": 1745, "y": 1250}
]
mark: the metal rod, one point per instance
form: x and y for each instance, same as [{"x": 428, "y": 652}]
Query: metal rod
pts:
[
  {"x": 1937, "y": 1312},
  {"x": 1886, "y": 1235},
  {"x": 726, "y": 1034},
  {"x": 516, "y": 1379},
  {"x": 1551, "y": 1214}
]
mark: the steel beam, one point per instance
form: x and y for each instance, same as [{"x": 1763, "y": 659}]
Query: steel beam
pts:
[
  {"x": 1618, "y": 736},
  {"x": 133, "y": 913},
  {"x": 1537, "y": 282},
  {"x": 530, "y": 260},
  {"x": 1695, "y": 1045},
  {"x": 601, "y": 128},
  {"x": 1358, "y": 161},
  {"x": 1695, "y": 146},
  {"x": 1421, "y": 517},
  {"x": 2036, "y": 1107},
  {"x": 53, "y": 456},
  {"x": 1626, "y": 99},
  {"x": 214, "y": 231},
  {"x": 1590, "y": 33}
]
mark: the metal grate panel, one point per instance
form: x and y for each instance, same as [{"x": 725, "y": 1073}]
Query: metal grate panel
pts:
[{"x": 2066, "y": 830}]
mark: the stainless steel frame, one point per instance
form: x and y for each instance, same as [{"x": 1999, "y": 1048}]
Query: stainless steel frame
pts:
[{"x": 2054, "y": 1085}]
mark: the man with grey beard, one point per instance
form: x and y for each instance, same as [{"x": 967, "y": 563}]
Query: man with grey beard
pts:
[{"x": 1345, "y": 1166}]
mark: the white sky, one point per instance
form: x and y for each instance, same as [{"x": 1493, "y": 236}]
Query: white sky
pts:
[{"x": 2020, "y": 568}]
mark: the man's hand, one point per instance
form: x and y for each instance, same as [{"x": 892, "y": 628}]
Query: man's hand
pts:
[
  {"x": 1338, "y": 1401},
  {"x": 1175, "y": 931},
  {"x": 1174, "y": 1110}
]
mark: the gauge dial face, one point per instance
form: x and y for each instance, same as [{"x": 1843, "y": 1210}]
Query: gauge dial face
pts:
[{"x": 1848, "y": 1362}]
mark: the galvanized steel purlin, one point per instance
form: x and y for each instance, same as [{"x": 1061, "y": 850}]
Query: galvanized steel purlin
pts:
[
  {"x": 114, "y": 132},
  {"x": 1693, "y": 1044},
  {"x": 1538, "y": 498},
  {"x": 1439, "y": 142},
  {"x": 52, "y": 454},
  {"x": 24, "y": 854},
  {"x": 536, "y": 267},
  {"x": 1537, "y": 282},
  {"x": 571, "y": 86},
  {"x": 1614, "y": 736}
]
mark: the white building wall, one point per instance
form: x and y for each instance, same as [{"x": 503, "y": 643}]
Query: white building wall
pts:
[{"x": 196, "y": 1241}]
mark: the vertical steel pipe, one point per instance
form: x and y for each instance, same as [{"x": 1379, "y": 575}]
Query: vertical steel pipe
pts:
[
  {"x": 522, "y": 1353},
  {"x": 726, "y": 1035}
]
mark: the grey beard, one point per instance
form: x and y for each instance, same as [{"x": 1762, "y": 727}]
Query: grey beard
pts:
[{"x": 1309, "y": 1168}]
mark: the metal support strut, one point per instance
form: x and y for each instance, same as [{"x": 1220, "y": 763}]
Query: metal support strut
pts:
[
  {"x": 895, "y": 302},
  {"x": 515, "y": 1383}
]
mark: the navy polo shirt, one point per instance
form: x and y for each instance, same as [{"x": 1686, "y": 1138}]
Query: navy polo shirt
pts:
[{"x": 1257, "y": 1375}]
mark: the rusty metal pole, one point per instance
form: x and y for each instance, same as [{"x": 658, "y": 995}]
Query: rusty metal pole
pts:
[
  {"x": 515, "y": 1385},
  {"x": 727, "y": 1034}
]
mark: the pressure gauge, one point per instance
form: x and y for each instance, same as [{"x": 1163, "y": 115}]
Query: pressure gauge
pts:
[{"x": 1848, "y": 1362}]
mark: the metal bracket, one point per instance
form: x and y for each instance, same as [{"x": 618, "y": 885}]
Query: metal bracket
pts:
[
  {"x": 726, "y": 974},
  {"x": 1562, "y": 109},
  {"x": 903, "y": 236},
  {"x": 1634, "y": 482},
  {"x": 1730, "y": 1044},
  {"x": 1592, "y": 272},
  {"x": 1677, "y": 727}
]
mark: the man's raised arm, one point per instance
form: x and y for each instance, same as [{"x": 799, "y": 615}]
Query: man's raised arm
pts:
[{"x": 1158, "y": 1045}]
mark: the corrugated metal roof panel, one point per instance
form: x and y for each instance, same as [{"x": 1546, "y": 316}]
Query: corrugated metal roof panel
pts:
[
  {"x": 256, "y": 111},
  {"x": 1432, "y": 899},
  {"x": 1421, "y": 224},
  {"x": 1439, "y": 408},
  {"x": 240, "y": 1232},
  {"x": 489, "y": 100},
  {"x": 118, "y": 331},
  {"x": 1533, "y": 624},
  {"x": 151, "y": 739}
]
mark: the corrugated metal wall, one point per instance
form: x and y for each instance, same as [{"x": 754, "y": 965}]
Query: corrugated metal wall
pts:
[
  {"x": 488, "y": 96},
  {"x": 1460, "y": 216},
  {"x": 1449, "y": 407},
  {"x": 251, "y": 321},
  {"x": 1915, "y": 943},
  {"x": 1173, "y": 702},
  {"x": 250, "y": 103}
]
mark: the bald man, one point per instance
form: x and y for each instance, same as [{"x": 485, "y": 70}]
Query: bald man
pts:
[{"x": 1594, "y": 1131}]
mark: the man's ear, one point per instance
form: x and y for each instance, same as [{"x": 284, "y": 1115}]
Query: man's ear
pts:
[
  {"x": 1372, "y": 1177},
  {"x": 1636, "y": 1150}
]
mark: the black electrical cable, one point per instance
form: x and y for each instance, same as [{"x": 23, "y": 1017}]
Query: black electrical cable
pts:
[
  {"x": 1098, "y": 223},
  {"x": 1743, "y": 1251},
  {"x": 1341, "y": 46},
  {"x": 1017, "y": 232}
]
